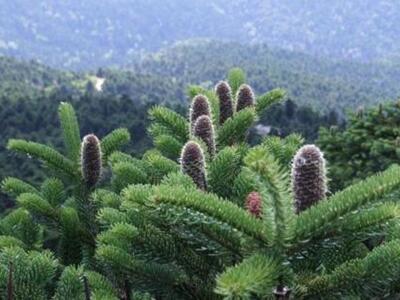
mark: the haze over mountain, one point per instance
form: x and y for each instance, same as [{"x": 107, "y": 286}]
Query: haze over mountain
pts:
[
  {"x": 163, "y": 76},
  {"x": 80, "y": 34}
]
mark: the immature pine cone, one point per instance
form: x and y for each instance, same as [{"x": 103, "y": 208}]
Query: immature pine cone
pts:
[
  {"x": 192, "y": 164},
  {"x": 91, "y": 160},
  {"x": 204, "y": 130},
  {"x": 199, "y": 107},
  {"x": 224, "y": 93},
  {"x": 245, "y": 97},
  {"x": 308, "y": 177},
  {"x": 254, "y": 204}
]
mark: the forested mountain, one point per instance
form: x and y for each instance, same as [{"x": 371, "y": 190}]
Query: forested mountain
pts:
[
  {"x": 322, "y": 83},
  {"x": 162, "y": 77},
  {"x": 80, "y": 34},
  {"x": 31, "y": 80},
  {"x": 25, "y": 79}
]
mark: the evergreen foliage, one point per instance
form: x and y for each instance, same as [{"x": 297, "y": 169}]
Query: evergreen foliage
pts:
[
  {"x": 60, "y": 214},
  {"x": 201, "y": 227},
  {"x": 368, "y": 144}
]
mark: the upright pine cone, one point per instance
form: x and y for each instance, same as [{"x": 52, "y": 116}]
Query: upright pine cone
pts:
[
  {"x": 204, "y": 129},
  {"x": 224, "y": 93},
  {"x": 200, "y": 107},
  {"x": 192, "y": 164},
  {"x": 308, "y": 177},
  {"x": 245, "y": 97},
  {"x": 91, "y": 160},
  {"x": 253, "y": 204}
]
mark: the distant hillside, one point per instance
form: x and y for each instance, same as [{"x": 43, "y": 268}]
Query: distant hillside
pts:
[
  {"x": 324, "y": 84},
  {"x": 162, "y": 77},
  {"x": 86, "y": 34},
  {"x": 20, "y": 78},
  {"x": 32, "y": 80}
]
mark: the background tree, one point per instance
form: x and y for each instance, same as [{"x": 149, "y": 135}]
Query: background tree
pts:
[{"x": 369, "y": 143}]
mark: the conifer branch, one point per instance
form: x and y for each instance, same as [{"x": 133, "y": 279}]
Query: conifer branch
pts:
[
  {"x": 15, "y": 187},
  {"x": 316, "y": 219},
  {"x": 369, "y": 277},
  {"x": 70, "y": 127},
  {"x": 44, "y": 153},
  {"x": 274, "y": 188},
  {"x": 170, "y": 123},
  {"x": 234, "y": 130},
  {"x": 222, "y": 210},
  {"x": 256, "y": 275},
  {"x": 268, "y": 99},
  {"x": 114, "y": 141},
  {"x": 236, "y": 78}
]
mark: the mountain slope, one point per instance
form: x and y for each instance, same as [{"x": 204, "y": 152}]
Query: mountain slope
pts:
[
  {"x": 80, "y": 34},
  {"x": 322, "y": 83},
  {"x": 23, "y": 79},
  {"x": 162, "y": 77}
]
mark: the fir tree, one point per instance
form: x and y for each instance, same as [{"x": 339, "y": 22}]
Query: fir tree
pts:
[{"x": 368, "y": 144}]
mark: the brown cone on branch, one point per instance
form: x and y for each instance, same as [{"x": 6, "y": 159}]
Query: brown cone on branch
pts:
[
  {"x": 204, "y": 130},
  {"x": 224, "y": 94},
  {"x": 254, "y": 204},
  {"x": 245, "y": 97},
  {"x": 193, "y": 164},
  {"x": 199, "y": 107},
  {"x": 308, "y": 177},
  {"x": 91, "y": 160}
]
